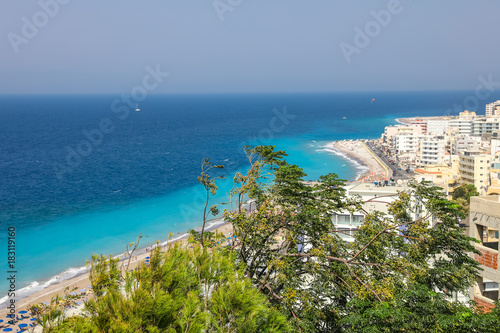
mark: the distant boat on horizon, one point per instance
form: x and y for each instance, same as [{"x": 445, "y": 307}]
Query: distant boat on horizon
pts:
[
  {"x": 137, "y": 108},
  {"x": 344, "y": 117}
]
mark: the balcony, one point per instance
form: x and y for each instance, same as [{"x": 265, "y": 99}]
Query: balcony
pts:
[
  {"x": 485, "y": 293},
  {"x": 489, "y": 254},
  {"x": 488, "y": 247}
]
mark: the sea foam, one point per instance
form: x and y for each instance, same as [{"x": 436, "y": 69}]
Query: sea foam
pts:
[
  {"x": 36, "y": 286},
  {"x": 328, "y": 148}
]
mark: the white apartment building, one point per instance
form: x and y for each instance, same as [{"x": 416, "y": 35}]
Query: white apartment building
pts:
[
  {"x": 463, "y": 125},
  {"x": 422, "y": 122},
  {"x": 495, "y": 147},
  {"x": 432, "y": 151},
  {"x": 437, "y": 127},
  {"x": 346, "y": 223},
  {"x": 484, "y": 126},
  {"x": 391, "y": 131},
  {"x": 474, "y": 168},
  {"x": 463, "y": 122},
  {"x": 465, "y": 143},
  {"x": 493, "y": 109},
  {"x": 406, "y": 143}
]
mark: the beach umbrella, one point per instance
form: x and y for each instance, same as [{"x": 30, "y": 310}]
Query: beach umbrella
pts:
[
  {"x": 83, "y": 290},
  {"x": 22, "y": 325},
  {"x": 8, "y": 329},
  {"x": 23, "y": 311},
  {"x": 73, "y": 293},
  {"x": 33, "y": 319}
]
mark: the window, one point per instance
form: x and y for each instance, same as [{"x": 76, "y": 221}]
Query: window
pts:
[
  {"x": 344, "y": 218},
  {"x": 357, "y": 219}
]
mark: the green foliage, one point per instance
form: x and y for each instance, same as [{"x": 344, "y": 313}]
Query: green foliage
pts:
[
  {"x": 182, "y": 290},
  {"x": 461, "y": 196},
  {"x": 211, "y": 239},
  {"x": 417, "y": 309},
  {"x": 53, "y": 314},
  {"x": 291, "y": 251},
  {"x": 211, "y": 188},
  {"x": 465, "y": 191},
  {"x": 263, "y": 160}
]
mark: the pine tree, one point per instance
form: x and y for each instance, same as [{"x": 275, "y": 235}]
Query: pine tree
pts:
[{"x": 182, "y": 290}]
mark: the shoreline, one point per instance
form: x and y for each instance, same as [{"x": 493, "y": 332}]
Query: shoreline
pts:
[
  {"x": 403, "y": 121},
  {"x": 355, "y": 161},
  {"x": 356, "y": 152},
  {"x": 81, "y": 280}
]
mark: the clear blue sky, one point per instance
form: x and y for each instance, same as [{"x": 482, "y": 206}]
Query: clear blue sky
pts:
[{"x": 97, "y": 46}]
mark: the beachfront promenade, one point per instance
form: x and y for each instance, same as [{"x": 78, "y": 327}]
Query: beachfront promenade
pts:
[
  {"x": 376, "y": 158},
  {"x": 393, "y": 168}
]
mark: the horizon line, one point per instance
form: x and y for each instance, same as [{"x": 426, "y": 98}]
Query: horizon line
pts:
[{"x": 239, "y": 93}]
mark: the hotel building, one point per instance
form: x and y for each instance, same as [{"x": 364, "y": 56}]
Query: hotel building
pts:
[
  {"x": 484, "y": 223},
  {"x": 474, "y": 168},
  {"x": 493, "y": 109}
]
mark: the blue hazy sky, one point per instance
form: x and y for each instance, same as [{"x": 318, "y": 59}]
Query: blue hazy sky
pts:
[{"x": 97, "y": 46}]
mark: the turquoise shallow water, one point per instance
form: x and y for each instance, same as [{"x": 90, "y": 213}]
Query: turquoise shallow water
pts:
[
  {"x": 142, "y": 178},
  {"x": 70, "y": 240}
]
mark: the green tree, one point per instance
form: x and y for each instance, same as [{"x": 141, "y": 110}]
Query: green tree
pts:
[
  {"x": 462, "y": 194},
  {"x": 418, "y": 309},
  {"x": 291, "y": 251},
  {"x": 181, "y": 290},
  {"x": 208, "y": 182},
  {"x": 465, "y": 191}
]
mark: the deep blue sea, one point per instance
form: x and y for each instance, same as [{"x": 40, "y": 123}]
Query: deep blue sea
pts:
[{"x": 81, "y": 174}]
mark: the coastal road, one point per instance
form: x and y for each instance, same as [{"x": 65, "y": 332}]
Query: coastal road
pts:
[
  {"x": 399, "y": 174},
  {"x": 379, "y": 161}
]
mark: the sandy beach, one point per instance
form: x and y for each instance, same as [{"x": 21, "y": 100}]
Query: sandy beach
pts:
[
  {"x": 357, "y": 151},
  {"x": 404, "y": 121},
  {"x": 83, "y": 282}
]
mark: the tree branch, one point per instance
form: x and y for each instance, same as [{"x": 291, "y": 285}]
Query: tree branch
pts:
[
  {"x": 364, "y": 284},
  {"x": 380, "y": 233}
]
